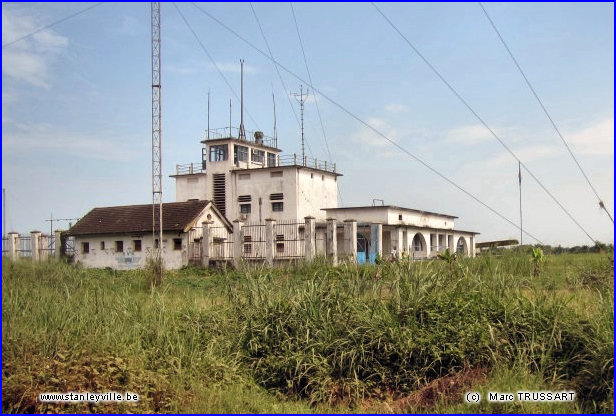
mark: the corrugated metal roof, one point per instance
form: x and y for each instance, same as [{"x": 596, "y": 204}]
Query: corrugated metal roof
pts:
[{"x": 137, "y": 218}]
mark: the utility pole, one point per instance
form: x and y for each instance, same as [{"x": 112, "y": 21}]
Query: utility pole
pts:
[
  {"x": 275, "y": 131},
  {"x": 157, "y": 192},
  {"x": 51, "y": 220},
  {"x": 3, "y": 213},
  {"x": 520, "y": 186},
  {"x": 301, "y": 98},
  {"x": 208, "y": 114},
  {"x": 242, "y": 133}
]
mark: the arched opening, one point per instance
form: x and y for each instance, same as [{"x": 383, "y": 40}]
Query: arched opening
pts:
[
  {"x": 419, "y": 247},
  {"x": 462, "y": 246}
]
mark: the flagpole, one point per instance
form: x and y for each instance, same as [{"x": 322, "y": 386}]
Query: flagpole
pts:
[{"x": 520, "y": 186}]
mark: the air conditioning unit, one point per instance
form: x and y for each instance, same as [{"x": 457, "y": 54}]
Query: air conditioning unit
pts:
[{"x": 243, "y": 217}]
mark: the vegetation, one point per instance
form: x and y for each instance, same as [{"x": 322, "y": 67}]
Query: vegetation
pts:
[{"x": 397, "y": 337}]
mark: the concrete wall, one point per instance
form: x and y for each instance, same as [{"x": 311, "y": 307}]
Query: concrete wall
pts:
[
  {"x": 131, "y": 259},
  {"x": 192, "y": 187},
  {"x": 419, "y": 219},
  {"x": 361, "y": 215},
  {"x": 260, "y": 184},
  {"x": 316, "y": 190}
]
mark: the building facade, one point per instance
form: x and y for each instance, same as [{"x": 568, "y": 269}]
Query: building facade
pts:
[{"x": 248, "y": 179}]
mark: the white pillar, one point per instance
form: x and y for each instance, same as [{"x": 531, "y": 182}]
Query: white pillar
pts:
[
  {"x": 58, "y": 243},
  {"x": 309, "y": 236},
  {"x": 44, "y": 247},
  {"x": 270, "y": 241},
  {"x": 206, "y": 243},
  {"x": 237, "y": 242},
  {"x": 13, "y": 236},
  {"x": 350, "y": 240},
  {"x": 35, "y": 245},
  {"x": 331, "y": 243},
  {"x": 376, "y": 239}
]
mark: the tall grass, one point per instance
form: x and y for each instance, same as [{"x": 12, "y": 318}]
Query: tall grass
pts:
[{"x": 308, "y": 335}]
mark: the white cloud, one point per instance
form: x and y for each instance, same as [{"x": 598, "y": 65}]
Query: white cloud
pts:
[
  {"x": 526, "y": 155},
  {"x": 45, "y": 137},
  {"x": 396, "y": 108},
  {"x": 368, "y": 137},
  {"x": 469, "y": 134},
  {"x": 597, "y": 139},
  {"x": 28, "y": 60}
]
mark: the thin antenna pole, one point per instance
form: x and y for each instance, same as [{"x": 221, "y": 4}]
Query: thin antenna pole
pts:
[
  {"x": 275, "y": 131},
  {"x": 51, "y": 224},
  {"x": 242, "y": 133},
  {"x": 230, "y": 132},
  {"x": 157, "y": 192},
  {"x": 3, "y": 213},
  {"x": 208, "y": 114},
  {"x": 302, "y": 100},
  {"x": 520, "y": 187}
]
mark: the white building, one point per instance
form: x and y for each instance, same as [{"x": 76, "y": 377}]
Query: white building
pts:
[
  {"x": 121, "y": 237},
  {"x": 249, "y": 179}
]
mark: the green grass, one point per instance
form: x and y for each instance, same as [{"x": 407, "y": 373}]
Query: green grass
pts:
[{"x": 311, "y": 338}]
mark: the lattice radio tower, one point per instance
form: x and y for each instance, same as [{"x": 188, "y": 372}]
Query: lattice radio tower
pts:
[{"x": 157, "y": 192}]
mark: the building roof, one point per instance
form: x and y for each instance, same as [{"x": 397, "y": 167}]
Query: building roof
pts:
[
  {"x": 241, "y": 142},
  {"x": 177, "y": 216},
  {"x": 281, "y": 167},
  {"x": 390, "y": 207}
]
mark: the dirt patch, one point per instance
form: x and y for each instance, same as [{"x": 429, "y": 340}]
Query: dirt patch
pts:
[
  {"x": 448, "y": 389},
  {"x": 23, "y": 381}
]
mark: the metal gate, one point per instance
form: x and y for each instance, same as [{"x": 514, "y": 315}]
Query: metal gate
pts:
[
  {"x": 222, "y": 243},
  {"x": 289, "y": 239},
  {"x": 253, "y": 241}
]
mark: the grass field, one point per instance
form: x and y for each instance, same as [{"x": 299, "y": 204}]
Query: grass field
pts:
[{"x": 398, "y": 337}]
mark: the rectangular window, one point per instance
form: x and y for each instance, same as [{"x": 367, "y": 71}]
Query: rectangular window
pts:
[
  {"x": 258, "y": 155},
  {"x": 102, "y": 245},
  {"x": 276, "y": 174},
  {"x": 276, "y": 197},
  {"x": 279, "y": 243},
  {"x": 244, "y": 176},
  {"x": 244, "y": 198},
  {"x": 119, "y": 246},
  {"x": 136, "y": 245},
  {"x": 271, "y": 159},
  {"x": 177, "y": 243},
  {"x": 245, "y": 208},
  {"x": 277, "y": 206},
  {"x": 219, "y": 152},
  {"x": 85, "y": 247},
  {"x": 241, "y": 153},
  {"x": 247, "y": 244}
]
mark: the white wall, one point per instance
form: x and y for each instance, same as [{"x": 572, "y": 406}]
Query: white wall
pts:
[
  {"x": 131, "y": 259},
  {"x": 368, "y": 215},
  {"x": 419, "y": 219},
  {"x": 192, "y": 187},
  {"x": 316, "y": 190}
]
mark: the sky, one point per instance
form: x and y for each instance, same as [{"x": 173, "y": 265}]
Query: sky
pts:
[{"x": 76, "y": 105}]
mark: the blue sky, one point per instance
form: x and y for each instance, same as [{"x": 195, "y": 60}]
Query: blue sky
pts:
[{"x": 76, "y": 104}]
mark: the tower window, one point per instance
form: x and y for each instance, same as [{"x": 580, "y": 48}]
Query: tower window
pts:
[
  {"x": 245, "y": 208},
  {"x": 277, "y": 206}
]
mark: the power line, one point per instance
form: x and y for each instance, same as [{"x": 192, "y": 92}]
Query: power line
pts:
[
  {"x": 316, "y": 102},
  {"x": 50, "y": 25},
  {"x": 467, "y": 105},
  {"x": 515, "y": 61},
  {"x": 284, "y": 86},
  {"x": 376, "y": 131},
  {"x": 213, "y": 61}
]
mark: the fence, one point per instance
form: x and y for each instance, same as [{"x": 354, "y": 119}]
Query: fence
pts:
[
  {"x": 222, "y": 244},
  {"x": 290, "y": 239},
  {"x": 36, "y": 246},
  {"x": 254, "y": 241},
  {"x": 5, "y": 246}
]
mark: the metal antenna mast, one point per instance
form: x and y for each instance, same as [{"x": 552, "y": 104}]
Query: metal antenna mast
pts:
[
  {"x": 242, "y": 133},
  {"x": 208, "y": 114},
  {"x": 302, "y": 100},
  {"x": 157, "y": 192},
  {"x": 275, "y": 130}
]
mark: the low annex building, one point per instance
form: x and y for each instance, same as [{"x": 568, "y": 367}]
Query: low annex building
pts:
[{"x": 120, "y": 237}]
